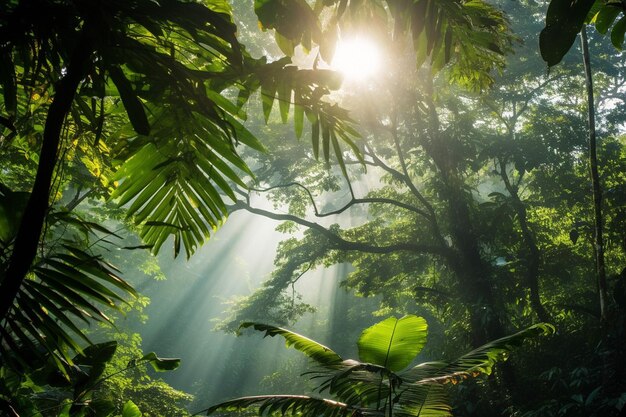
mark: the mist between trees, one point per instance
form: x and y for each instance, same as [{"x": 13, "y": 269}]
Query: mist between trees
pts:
[{"x": 173, "y": 169}]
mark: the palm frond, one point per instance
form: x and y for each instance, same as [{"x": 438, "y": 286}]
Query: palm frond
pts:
[
  {"x": 314, "y": 350},
  {"x": 479, "y": 361},
  {"x": 176, "y": 180},
  {"x": 423, "y": 400},
  {"x": 303, "y": 89},
  {"x": 66, "y": 287},
  {"x": 356, "y": 383},
  {"x": 291, "y": 405},
  {"x": 179, "y": 169},
  {"x": 371, "y": 389}
]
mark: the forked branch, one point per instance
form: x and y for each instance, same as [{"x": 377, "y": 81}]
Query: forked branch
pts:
[
  {"x": 340, "y": 243},
  {"x": 353, "y": 201}
]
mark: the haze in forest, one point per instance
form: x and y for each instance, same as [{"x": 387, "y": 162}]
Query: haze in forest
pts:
[{"x": 340, "y": 208}]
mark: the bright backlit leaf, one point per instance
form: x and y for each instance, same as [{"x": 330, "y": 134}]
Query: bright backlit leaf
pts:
[
  {"x": 131, "y": 410},
  {"x": 393, "y": 343}
]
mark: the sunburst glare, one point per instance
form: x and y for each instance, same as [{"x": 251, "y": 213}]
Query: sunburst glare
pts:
[{"x": 357, "y": 59}]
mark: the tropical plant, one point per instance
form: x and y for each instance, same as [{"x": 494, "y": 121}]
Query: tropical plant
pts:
[
  {"x": 126, "y": 101},
  {"x": 380, "y": 383},
  {"x": 518, "y": 151},
  {"x": 470, "y": 37},
  {"x": 142, "y": 102},
  {"x": 566, "y": 19},
  {"x": 48, "y": 392}
]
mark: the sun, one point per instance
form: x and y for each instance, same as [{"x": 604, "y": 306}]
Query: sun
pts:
[{"x": 357, "y": 59}]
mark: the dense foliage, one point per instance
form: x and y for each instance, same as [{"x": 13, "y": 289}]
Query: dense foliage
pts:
[
  {"x": 476, "y": 208},
  {"x": 466, "y": 183},
  {"x": 381, "y": 381}
]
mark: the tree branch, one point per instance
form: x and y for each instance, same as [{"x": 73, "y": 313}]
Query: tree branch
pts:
[
  {"x": 341, "y": 243},
  {"x": 353, "y": 201},
  {"x": 430, "y": 215}
]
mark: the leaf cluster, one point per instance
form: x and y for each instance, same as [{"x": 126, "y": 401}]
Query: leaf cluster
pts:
[{"x": 378, "y": 383}]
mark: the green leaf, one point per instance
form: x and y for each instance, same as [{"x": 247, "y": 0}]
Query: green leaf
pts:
[
  {"x": 268, "y": 93},
  {"x": 132, "y": 104},
  {"x": 418, "y": 16},
  {"x": 338, "y": 153},
  {"x": 564, "y": 20},
  {"x": 393, "y": 343},
  {"x": 605, "y": 18},
  {"x": 617, "y": 34},
  {"x": 316, "y": 351},
  {"x": 480, "y": 360},
  {"x": 161, "y": 364},
  {"x": 315, "y": 138},
  {"x": 286, "y": 405},
  {"x": 298, "y": 120},
  {"x": 286, "y": 46},
  {"x": 284, "y": 99},
  {"x": 243, "y": 135},
  {"x": 326, "y": 140},
  {"x": 420, "y": 48},
  {"x": 65, "y": 409},
  {"x": 131, "y": 410},
  {"x": 97, "y": 354}
]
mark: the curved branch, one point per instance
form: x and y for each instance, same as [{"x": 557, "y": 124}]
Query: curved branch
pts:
[
  {"x": 341, "y": 243},
  {"x": 408, "y": 181},
  {"x": 430, "y": 215},
  {"x": 353, "y": 201},
  {"x": 405, "y": 179}
]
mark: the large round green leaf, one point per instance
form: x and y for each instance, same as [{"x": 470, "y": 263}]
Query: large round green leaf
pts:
[
  {"x": 131, "y": 410},
  {"x": 393, "y": 343}
]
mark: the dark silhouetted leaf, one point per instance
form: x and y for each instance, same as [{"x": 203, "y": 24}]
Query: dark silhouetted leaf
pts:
[
  {"x": 564, "y": 20},
  {"x": 161, "y": 364},
  {"x": 134, "y": 108}
]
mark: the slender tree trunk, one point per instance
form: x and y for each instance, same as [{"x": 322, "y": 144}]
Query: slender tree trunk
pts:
[
  {"x": 595, "y": 182},
  {"x": 28, "y": 235}
]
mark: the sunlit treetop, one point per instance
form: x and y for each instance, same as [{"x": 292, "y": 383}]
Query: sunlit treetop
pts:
[{"x": 470, "y": 38}]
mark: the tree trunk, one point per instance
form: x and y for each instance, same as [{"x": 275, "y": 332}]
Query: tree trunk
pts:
[
  {"x": 474, "y": 275},
  {"x": 595, "y": 182},
  {"x": 28, "y": 235},
  {"x": 533, "y": 254}
]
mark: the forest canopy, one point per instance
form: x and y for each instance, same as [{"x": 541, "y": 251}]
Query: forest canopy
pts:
[{"x": 476, "y": 177}]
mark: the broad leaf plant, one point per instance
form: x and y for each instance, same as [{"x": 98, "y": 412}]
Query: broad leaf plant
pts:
[
  {"x": 382, "y": 381},
  {"x": 141, "y": 102}
]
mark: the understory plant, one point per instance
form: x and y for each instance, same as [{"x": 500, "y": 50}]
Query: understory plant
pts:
[
  {"x": 381, "y": 382},
  {"x": 48, "y": 392}
]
